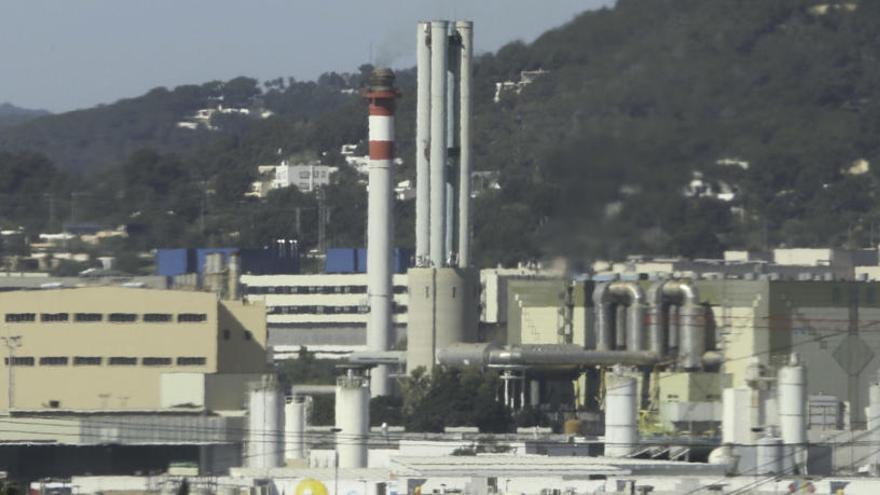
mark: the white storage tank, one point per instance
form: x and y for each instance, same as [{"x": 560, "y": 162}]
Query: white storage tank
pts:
[
  {"x": 793, "y": 410},
  {"x": 295, "y": 428},
  {"x": 769, "y": 456},
  {"x": 265, "y": 435},
  {"x": 352, "y": 419},
  {"x": 621, "y": 415}
]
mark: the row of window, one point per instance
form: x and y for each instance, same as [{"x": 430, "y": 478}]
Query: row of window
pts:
[
  {"x": 111, "y": 317},
  {"x": 327, "y": 310},
  {"x": 112, "y": 361},
  {"x": 315, "y": 289}
]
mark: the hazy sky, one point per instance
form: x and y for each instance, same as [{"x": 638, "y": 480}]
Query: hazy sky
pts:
[{"x": 67, "y": 54}]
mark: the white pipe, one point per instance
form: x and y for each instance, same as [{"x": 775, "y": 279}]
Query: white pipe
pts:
[
  {"x": 439, "y": 47},
  {"x": 792, "y": 410},
  {"x": 295, "y": 428},
  {"x": 466, "y": 32},
  {"x": 621, "y": 427},
  {"x": 423, "y": 142}
]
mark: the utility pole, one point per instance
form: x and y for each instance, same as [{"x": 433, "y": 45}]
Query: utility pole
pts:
[{"x": 12, "y": 343}]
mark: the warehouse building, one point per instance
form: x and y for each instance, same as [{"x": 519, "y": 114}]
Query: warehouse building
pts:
[{"x": 152, "y": 375}]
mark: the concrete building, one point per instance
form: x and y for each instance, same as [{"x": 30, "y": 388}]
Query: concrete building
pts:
[
  {"x": 122, "y": 380},
  {"x": 327, "y": 313},
  {"x": 111, "y": 348}
]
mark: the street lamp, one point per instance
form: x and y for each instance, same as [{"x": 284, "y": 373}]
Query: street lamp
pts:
[
  {"x": 12, "y": 343},
  {"x": 335, "y": 461}
]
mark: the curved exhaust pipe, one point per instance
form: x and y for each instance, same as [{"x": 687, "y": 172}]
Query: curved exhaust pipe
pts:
[{"x": 607, "y": 298}]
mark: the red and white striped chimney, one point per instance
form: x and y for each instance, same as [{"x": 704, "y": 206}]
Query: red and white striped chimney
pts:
[{"x": 380, "y": 225}]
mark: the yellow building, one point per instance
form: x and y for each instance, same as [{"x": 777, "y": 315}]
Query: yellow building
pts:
[{"x": 128, "y": 349}]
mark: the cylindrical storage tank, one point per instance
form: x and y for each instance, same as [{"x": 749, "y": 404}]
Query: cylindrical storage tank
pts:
[
  {"x": 793, "y": 409},
  {"x": 295, "y": 428},
  {"x": 265, "y": 435},
  {"x": 769, "y": 456},
  {"x": 352, "y": 420},
  {"x": 621, "y": 426},
  {"x": 692, "y": 337}
]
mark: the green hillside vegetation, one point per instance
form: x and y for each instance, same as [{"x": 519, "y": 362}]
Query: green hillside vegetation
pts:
[
  {"x": 594, "y": 156},
  {"x": 11, "y": 115}
]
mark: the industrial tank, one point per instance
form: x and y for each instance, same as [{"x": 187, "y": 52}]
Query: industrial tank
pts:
[
  {"x": 792, "y": 401},
  {"x": 265, "y": 435},
  {"x": 295, "y": 428},
  {"x": 770, "y": 455},
  {"x": 621, "y": 426},
  {"x": 352, "y": 419}
]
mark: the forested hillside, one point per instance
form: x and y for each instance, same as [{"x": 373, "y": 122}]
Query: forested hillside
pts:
[
  {"x": 775, "y": 100},
  {"x": 12, "y": 115}
]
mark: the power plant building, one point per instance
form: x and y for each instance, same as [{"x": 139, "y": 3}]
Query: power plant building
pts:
[{"x": 326, "y": 313}]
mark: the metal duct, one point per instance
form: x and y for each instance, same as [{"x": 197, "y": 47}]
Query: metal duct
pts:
[
  {"x": 464, "y": 354},
  {"x": 423, "y": 142},
  {"x": 439, "y": 47},
  {"x": 466, "y": 33},
  {"x": 540, "y": 356},
  {"x": 608, "y": 299},
  {"x": 692, "y": 331}
]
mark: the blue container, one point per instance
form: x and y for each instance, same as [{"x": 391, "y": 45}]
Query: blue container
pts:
[
  {"x": 173, "y": 262},
  {"x": 400, "y": 260},
  {"x": 269, "y": 261},
  {"x": 341, "y": 260}
]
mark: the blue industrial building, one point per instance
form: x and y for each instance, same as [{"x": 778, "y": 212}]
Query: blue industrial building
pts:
[
  {"x": 280, "y": 259},
  {"x": 354, "y": 260}
]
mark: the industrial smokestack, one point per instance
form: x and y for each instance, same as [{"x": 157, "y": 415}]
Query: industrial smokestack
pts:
[
  {"x": 423, "y": 143},
  {"x": 439, "y": 54},
  {"x": 466, "y": 34},
  {"x": 451, "y": 222},
  {"x": 380, "y": 227}
]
